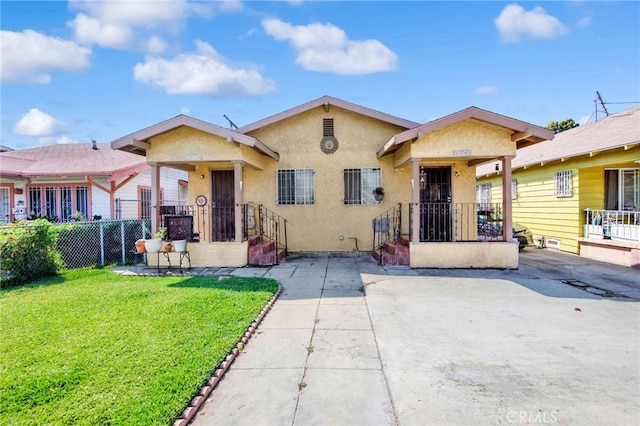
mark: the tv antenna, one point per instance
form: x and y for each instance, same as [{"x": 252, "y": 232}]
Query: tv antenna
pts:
[
  {"x": 601, "y": 103},
  {"x": 232, "y": 125}
]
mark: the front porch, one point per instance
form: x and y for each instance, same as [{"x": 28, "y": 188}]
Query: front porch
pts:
[
  {"x": 231, "y": 236},
  {"x": 449, "y": 235}
]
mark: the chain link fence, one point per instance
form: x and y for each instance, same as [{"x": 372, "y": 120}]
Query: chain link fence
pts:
[{"x": 81, "y": 244}]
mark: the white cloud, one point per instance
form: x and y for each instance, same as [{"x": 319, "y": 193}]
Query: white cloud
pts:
[
  {"x": 516, "y": 24},
  {"x": 203, "y": 72},
  {"x": 584, "y": 22},
  {"x": 326, "y": 48},
  {"x": 185, "y": 111},
  {"x": 156, "y": 45},
  {"x": 37, "y": 123},
  {"x": 31, "y": 57},
  {"x": 130, "y": 25},
  {"x": 486, "y": 90}
]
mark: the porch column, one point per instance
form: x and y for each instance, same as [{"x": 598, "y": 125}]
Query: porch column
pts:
[
  {"x": 237, "y": 189},
  {"x": 507, "y": 228},
  {"x": 155, "y": 197},
  {"x": 415, "y": 200}
]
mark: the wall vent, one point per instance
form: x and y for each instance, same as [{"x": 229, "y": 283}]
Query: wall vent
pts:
[{"x": 552, "y": 243}]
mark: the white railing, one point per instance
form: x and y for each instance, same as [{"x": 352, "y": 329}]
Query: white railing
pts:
[{"x": 612, "y": 224}]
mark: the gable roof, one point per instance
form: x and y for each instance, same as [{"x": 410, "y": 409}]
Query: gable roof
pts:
[
  {"x": 69, "y": 160},
  {"x": 617, "y": 131},
  {"x": 523, "y": 133},
  {"x": 137, "y": 142},
  {"x": 326, "y": 102}
]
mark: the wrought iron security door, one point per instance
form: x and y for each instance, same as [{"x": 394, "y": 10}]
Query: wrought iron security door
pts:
[
  {"x": 435, "y": 204},
  {"x": 222, "y": 206}
]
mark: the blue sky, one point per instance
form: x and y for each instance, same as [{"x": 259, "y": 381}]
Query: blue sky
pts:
[{"x": 81, "y": 70}]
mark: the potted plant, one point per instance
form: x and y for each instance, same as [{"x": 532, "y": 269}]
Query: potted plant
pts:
[
  {"x": 154, "y": 245},
  {"x": 140, "y": 245},
  {"x": 378, "y": 193},
  {"x": 180, "y": 246}
]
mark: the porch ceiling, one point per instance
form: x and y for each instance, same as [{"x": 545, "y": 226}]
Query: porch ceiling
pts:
[
  {"x": 137, "y": 142},
  {"x": 524, "y": 134}
]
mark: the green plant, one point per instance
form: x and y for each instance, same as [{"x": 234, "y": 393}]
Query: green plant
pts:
[
  {"x": 28, "y": 252},
  {"x": 161, "y": 234}
]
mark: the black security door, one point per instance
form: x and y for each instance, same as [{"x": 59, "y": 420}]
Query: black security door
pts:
[
  {"x": 435, "y": 204},
  {"x": 222, "y": 205}
]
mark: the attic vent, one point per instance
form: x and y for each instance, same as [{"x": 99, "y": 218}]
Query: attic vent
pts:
[{"x": 327, "y": 127}]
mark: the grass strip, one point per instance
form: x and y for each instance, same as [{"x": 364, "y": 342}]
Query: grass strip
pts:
[{"x": 92, "y": 347}]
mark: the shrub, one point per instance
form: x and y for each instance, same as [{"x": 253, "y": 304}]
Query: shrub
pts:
[{"x": 27, "y": 252}]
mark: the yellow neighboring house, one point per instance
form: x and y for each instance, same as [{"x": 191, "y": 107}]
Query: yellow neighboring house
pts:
[
  {"x": 579, "y": 192},
  {"x": 332, "y": 176}
]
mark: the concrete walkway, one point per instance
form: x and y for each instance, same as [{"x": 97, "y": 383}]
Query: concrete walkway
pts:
[{"x": 554, "y": 341}]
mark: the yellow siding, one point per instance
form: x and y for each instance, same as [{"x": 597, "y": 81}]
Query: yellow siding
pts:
[{"x": 554, "y": 217}]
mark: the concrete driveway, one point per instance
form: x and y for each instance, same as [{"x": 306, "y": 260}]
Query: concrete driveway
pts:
[{"x": 556, "y": 341}]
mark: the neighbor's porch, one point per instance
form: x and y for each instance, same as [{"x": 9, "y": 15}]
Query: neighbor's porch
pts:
[{"x": 611, "y": 236}]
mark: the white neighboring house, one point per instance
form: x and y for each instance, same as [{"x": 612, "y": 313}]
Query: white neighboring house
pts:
[{"x": 93, "y": 179}]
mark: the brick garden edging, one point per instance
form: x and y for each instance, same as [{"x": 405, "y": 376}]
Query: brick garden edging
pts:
[{"x": 198, "y": 400}]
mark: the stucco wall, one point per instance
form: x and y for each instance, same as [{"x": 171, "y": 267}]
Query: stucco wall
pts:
[
  {"x": 210, "y": 255},
  {"x": 478, "y": 138},
  {"x": 499, "y": 255},
  {"x": 318, "y": 227},
  {"x": 188, "y": 146}
]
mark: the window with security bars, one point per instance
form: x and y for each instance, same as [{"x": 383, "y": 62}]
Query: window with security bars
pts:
[
  {"x": 145, "y": 203},
  {"x": 58, "y": 202},
  {"x": 483, "y": 196},
  {"x": 563, "y": 184},
  {"x": 295, "y": 187},
  {"x": 514, "y": 189},
  {"x": 359, "y": 185}
]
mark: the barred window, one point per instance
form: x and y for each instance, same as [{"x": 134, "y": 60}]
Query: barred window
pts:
[
  {"x": 563, "y": 184},
  {"x": 483, "y": 196},
  {"x": 359, "y": 185},
  {"x": 295, "y": 187},
  {"x": 514, "y": 189},
  {"x": 59, "y": 202}
]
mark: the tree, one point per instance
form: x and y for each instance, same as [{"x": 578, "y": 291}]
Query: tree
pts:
[{"x": 561, "y": 126}]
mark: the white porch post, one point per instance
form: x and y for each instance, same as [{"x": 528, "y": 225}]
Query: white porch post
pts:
[
  {"x": 237, "y": 189},
  {"x": 415, "y": 200},
  {"x": 155, "y": 197},
  {"x": 507, "y": 228}
]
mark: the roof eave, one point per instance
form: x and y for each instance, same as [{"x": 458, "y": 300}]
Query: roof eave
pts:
[
  {"x": 524, "y": 133},
  {"x": 325, "y": 102},
  {"x": 137, "y": 142}
]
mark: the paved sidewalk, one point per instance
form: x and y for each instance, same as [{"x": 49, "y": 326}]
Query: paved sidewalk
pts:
[{"x": 556, "y": 341}]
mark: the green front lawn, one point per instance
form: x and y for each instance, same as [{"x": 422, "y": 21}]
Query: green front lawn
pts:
[{"x": 92, "y": 347}]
